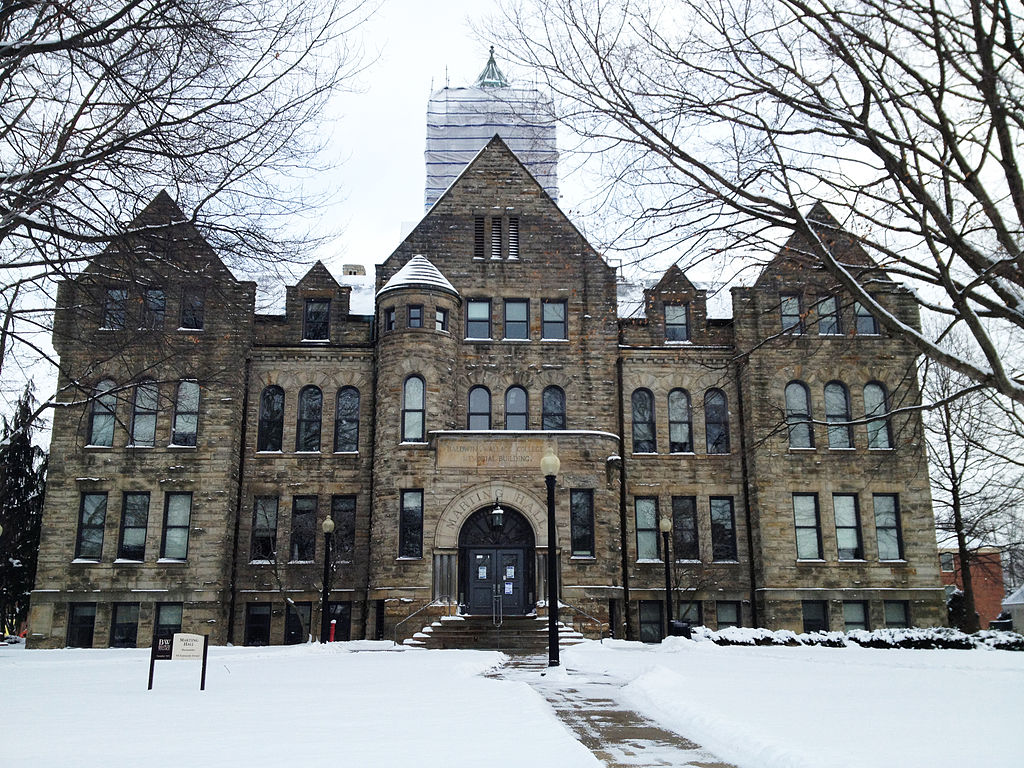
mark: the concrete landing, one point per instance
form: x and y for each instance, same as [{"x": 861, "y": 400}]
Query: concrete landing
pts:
[{"x": 618, "y": 736}]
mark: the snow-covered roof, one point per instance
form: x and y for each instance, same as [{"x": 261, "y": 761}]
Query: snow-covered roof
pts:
[
  {"x": 1015, "y": 598},
  {"x": 361, "y": 299},
  {"x": 631, "y": 298},
  {"x": 418, "y": 272}
]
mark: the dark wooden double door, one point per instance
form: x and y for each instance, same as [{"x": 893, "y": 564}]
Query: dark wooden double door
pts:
[{"x": 496, "y": 575}]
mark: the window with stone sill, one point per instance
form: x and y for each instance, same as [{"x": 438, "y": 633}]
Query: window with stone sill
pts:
[
  {"x": 92, "y": 517},
  {"x": 554, "y": 320},
  {"x": 316, "y": 320},
  {"x": 517, "y": 319},
  {"x": 553, "y": 408},
  {"x": 264, "y": 529},
  {"x": 410, "y": 524},
  {"x": 837, "y": 415},
  {"x": 478, "y": 319},
  {"x": 440, "y": 319},
  {"x": 389, "y": 319},
  {"x": 727, "y": 613},
  {"x": 343, "y": 513},
  {"x": 848, "y": 539},
  {"x": 716, "y": 422},
  {"x": 415, "y": 317},
  {"x": 154, "y": 307},
  {"x": 271, "y": 419},
  {"x": 815, "y": 615},
  {"x": 723, "y": 529},
  {"x": 680, "y": 425},
  {"x": 479, "y": 410},
  {"x": 829, "y": 321},
  {"x": 807, "y": 521},
  {"x": 413, "y": 410},
  {"x": 644, "y": 435},
  {"x": 307, "y": 427},
  {"x": 168, "y": 620},
  {"x": 102, "y": 414},
  {"x": 177, "y": 518},
  {"x": 876, "y": 409},
  {"x": 346, "y": 420},
  {"x": 81, "y": 625},
  {"x": 685, "y": 541},
  {"x": 193, "y": 304},
  {"x": 648, "y": 546},
  {"x": 185, "y": 429},
  {"x": 798, "y": 415},
  {"x": 145, "y": 400},
  {"x": 888, "y": 531},
  {"x": 581, "y": 521},
  {"x": 897, "y": 614},
  {"x": 303, "y": 543},
  {"x": 677, "y": 323},
  {"x": 516, "y": 408},
  {"x": 789, "y": 308},
  {"x": 124, "y": 625},
  {"x": 115, "y": 309},
  {"x": 134, "y": 523},
  {"x": 865, "y": 322},
  {"x": 855, "y": 615}
]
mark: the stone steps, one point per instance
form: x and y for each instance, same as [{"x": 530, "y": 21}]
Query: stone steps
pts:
[{"x": 517, "y": 634}]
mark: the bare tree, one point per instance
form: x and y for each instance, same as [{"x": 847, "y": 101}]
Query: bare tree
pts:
[
  {"x": 103, "y": 104},
  {"x": 719, "y": 122},
  {"x": 977, "y": 471}
]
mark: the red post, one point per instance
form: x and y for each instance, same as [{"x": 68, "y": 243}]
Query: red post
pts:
[{"x": 334, "y": 625}]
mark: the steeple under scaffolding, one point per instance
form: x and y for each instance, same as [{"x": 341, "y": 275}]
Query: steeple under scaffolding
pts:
[{"x": 460, "y": 121}]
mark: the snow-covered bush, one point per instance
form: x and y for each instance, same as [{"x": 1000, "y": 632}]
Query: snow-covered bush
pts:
[{"x": 915, "y": 637}]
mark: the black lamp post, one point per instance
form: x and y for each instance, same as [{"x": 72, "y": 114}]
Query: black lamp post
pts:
[
  {"x": 549, "y": 468},
  {"x": 665, "y": 524},
  {"x": 325, "y": 619}
]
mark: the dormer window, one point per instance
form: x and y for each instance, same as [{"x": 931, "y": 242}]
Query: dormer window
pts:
[
  {"x": 316, "y": 320},
  {"x": 677, "y": 325},
  {"x": 114, "y": 308},
  {"x": 789, "y": 307},
  {"x": 193, "y": 301}
]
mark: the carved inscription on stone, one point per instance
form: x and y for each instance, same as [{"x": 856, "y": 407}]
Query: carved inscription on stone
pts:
[{"x": 521, "y": 453}]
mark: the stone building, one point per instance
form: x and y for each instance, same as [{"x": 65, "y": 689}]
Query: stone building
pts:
[{"x": 189, "y": 488}]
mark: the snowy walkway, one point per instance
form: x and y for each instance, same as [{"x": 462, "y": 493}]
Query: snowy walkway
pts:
[{"x": 588, "y": 704}]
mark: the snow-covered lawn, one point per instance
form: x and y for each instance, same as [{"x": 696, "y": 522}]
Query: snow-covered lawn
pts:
[
  {"x": 825, "y": 707},
  {"x": 297, "y": 706}
]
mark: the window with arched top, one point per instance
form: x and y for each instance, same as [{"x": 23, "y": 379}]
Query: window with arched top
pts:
[
  {"x": 516, "y": 409},
  {"x": 644, "y": 440},
  {"x": 876, "y": 410},
  {"x": 413, "y": 410},
  {"x": 553, "y": 408},
  {"x": 271, "y": 425},
  {"x": 479, "y": 413},
  {"x": 307, "y": 425},
  {"x": 680, "y": 425},
  {"x": 798, "y": 415},
  {"x": 837, "y": 414},
  {"x": 101, "y": 414},
  {"x": 144, "y": 407},
  {"x": 185, "y": 429},
  {"x": 346, "y": 420},
  {"x": 716, "y": 421}
]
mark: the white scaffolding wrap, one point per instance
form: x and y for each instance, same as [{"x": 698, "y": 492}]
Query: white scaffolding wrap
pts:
[{"x": 460, "y": 121}]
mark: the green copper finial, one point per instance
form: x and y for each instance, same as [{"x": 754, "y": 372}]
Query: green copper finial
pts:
[{"x": 491, "y": 77}]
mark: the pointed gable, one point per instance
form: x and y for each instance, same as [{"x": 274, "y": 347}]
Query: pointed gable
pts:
[
  {"x": 318, "y": 278},
  {"x": 318, "y": 284}
]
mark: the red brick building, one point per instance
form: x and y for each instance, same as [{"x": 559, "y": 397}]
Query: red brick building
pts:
[{"x": 986, "y": 577}]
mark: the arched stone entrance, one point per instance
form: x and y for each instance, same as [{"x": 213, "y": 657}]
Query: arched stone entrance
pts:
[{"x": 496, "y": 563}]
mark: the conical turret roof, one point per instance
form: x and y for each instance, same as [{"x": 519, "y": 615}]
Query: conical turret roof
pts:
[
  {"x": 418, "y": 272},
  {"x": 491, "y": 77}
]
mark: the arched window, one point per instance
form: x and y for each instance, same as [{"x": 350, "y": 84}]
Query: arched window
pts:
[
  {"x": 144, "y": 407},
  {"x": 185, "y": 429},
  {"x": 307, "y": 426},
  {"x": 716, "y": 421},
  {"x": 643, "y": 422},
  {"x": 680, "y": 426},
  {"x": 553, "y": 408},
  {"x": 515, "y": 408},
  {"x": 346, "y": 420},
  {"x": 837, "y": 414},
  {"x": 101, "y": 414},
  {"x": 479, "y": 408},
  {"x": 271, "y": 424},
  {"x": 876, "y": 408},
  {"x": 798, "y": 415},
  {"x": 413, "y": 410}
]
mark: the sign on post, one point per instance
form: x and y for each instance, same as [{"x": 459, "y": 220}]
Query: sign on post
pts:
[{"x": 180, "y": 647}]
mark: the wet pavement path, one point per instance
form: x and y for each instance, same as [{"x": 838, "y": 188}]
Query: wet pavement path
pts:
[{"x": 589, "y": 706}]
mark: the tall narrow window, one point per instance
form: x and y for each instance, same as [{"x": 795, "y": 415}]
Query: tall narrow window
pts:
[
  {"x": 307, "y": 426},
  {"x": 723, "y": 528},
  {"x": 440, "y": 319},
  {"x": 303, "y": 529},
  {"x": 716, "y": 421},
  {"x": 554, "y": 320},
  {"x": 866, "y": 323},
  {"x": 478, "y": 319},
  {"x": 581, "y": 521},
  {"x": 647, "y": 545},
  {"x": 876, "y": 409},
  {"x": 651, "y": 622},
  {"x": 680, "y": 426},
  {"x": 297, "y": 623},
  {"x": 154, "y": 306},
  {"x": 415, "y": 319},
  {"x": 186, "y": 414},
  {"x": 479, "y": 416},
  {"x": 257, "y": 624},
  {"x": 177, "y": 516},
  {"x": 677, "y": 325},
  {"x": 271, "y": 427},
  {"x": 684, "y": 528},
  {"x": 346, "y": 420},
  {"x": 124, "y": 625},
  {"x": 829, "y": 323},
  {"x": 837, "y": 414},
  {"x": 516, "y": 408},
  {"x": 513, "y": 237},
  {"x": 789, "y": 307},
  {"x": 517, "y": 319},
  {"x": 389, "y": 319},
  {"x": 413, "y": 410},
  {"x": 495, "y": 237},
  {"x": 343, "y": 512},
  {"x": 410, "y": 524},
  {"x": 848, "y": 540},
  {"x": 643, "y": 422},
  {"x": 193, "y": 303},
  {"x": 553, "y": 408},
  {"x": 478, "y": 237},
  {"x": 808, "y": 526},
  {"x": 887, "y": 526},
  {"x": 144, "y": 405},
  {"x": 798, "y": 415},
  {"x": 101, "y": 414},
  {"x": 134, "y": 520},
  {"x": 316, "y": 320},
  {"x": 92, "y": 517},
  {"x": 264, "y": 528},
  {"x": 115, "y": 309},
  {"x": 81, "y": 623}
]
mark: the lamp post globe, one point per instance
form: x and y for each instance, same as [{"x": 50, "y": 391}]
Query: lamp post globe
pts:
[
  {"x": 328, "y": 529},
  {"x": 665, "y": 526},
  {"x": 549, "y": 466}
]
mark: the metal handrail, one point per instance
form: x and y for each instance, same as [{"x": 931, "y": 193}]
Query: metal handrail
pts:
[
  {"x": 414, "y": 614},
  {"x": 601, "y": 625}
]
